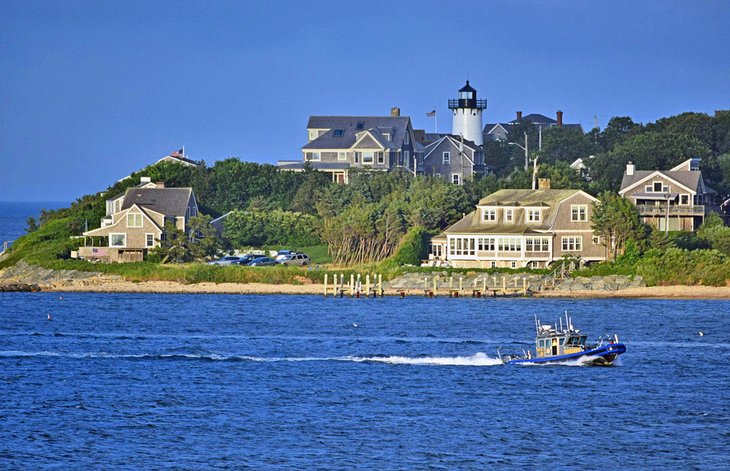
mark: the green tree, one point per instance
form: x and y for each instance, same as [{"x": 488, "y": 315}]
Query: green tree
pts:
[
  {"x": 202, "y": 240},
  {"x": 616, "y": 220},
  {"x": 566, "y": 145}
]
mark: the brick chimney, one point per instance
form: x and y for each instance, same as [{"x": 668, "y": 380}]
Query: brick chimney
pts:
[
  {"x": 543, "y": 183},
  {"x": 395, "y": 111},
  {"x": 519, "y": 115},
  {"x": 560, "y": 118}
]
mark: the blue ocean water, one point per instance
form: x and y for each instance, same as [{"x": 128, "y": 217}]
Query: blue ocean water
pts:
[
  {"x": 13, "y": 216},
  {"x": 297, "y": 382}
]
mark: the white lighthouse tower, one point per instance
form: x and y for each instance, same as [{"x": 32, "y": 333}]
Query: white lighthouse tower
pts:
[{"x": 467, "y": 112}]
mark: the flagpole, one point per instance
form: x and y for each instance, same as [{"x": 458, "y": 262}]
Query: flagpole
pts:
[{"x": 435, "y": 122}]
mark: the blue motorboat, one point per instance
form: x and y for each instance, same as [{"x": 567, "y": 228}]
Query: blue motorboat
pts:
[{"x": 561, "y": 343}]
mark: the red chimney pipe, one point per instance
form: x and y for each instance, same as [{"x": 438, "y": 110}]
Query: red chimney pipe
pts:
[
  {"x": 560, "y": 118},
  {"x": 519, "y": 115}
]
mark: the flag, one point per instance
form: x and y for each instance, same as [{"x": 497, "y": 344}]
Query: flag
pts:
[
  {"x": 177, "y": 153},
  {"x": 431, "y": 114}
]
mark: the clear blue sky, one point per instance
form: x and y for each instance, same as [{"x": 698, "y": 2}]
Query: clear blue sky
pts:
[{"x": 93, "y": 90}]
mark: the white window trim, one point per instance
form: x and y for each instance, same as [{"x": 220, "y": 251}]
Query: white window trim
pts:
[
  {"x": 575, "y": 241},
  {"x": 341, "y": 156},
  {"x": 509, "y": 215},
  {"x": 533, "y": 211},
  {"x": 446, "y": 158},
  {"x": 111, "y": 236},
  {"x": 145, "y": 239},
  {"x": 492, "y": 212},
  {"x": 141, "y": 220},
  {"x": 458, "y": 179},
  {"x": 578, "y": 207}
]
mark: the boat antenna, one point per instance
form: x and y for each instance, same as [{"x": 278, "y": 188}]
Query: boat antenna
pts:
[
  {"x": 561, "y": 325},
  {"x": 537, "y": 324}
]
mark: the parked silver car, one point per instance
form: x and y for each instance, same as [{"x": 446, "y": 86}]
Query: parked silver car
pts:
[
  {"x": 228, "y": 260},
  {"x": 295, "y": 259}
]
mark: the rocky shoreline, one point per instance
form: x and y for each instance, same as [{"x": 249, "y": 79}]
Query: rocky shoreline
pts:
[{"x": 24, "y": 277}]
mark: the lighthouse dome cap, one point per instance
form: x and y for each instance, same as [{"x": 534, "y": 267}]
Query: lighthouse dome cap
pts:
[{"x": 467, "y": 88}]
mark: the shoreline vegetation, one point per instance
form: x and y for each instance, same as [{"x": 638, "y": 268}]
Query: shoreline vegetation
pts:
[{"x": 381, "y": 223}]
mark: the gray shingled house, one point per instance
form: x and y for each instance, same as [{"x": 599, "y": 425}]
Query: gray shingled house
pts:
[
  {"x": 337, "y": 144},
  {"x": 522, "y": 228},
  {"x": 134, "y": 223},
  {"x": 453, "y": 159},
  {"x": 673, "y": 199},
  {"x": 499, "y": 131}
]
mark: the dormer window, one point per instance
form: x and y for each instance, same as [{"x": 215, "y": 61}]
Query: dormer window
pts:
[
  {"x": 339, "y": 132},
  {"x": 386, "y": 135},
  {"x": 360, "y": 125},
  {"x": 533, "y": 215},
  {"x": 509, "y": 215},
  {"x": 489, "y": 214}
]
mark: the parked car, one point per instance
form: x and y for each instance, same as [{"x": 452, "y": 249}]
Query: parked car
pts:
[
  {"x": 282, "y": 253},
  {"x": 228, "y": 260},
  {"x": 295, "y": 259},
  {"x": 262, "y": 262},
  {"x": 246, "y": 259}
]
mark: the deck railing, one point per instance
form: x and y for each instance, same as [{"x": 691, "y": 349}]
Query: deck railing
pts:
[{"x": 674, "y": 210}]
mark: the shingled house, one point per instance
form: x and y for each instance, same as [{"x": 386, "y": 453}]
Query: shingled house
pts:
[
  {"x": 673, "y": 199},
  {"x": 500, "y": 131},
  {"x": 134, "y": 222},
  {"x": 522, "y": 228},
  {"x": 337, "y": 144},
  {"x": 452, "y": 158}
]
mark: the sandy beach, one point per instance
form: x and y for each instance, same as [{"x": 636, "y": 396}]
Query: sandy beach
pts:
[{"x": 119, "y": 286}]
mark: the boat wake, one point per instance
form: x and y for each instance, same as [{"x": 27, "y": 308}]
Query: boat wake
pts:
[{"x": 478, "y": 359}]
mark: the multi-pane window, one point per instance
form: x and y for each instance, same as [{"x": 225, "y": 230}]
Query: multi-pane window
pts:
[
  {"x": 578, "y": 212},
  {"x": 134, "y": 220},
  {"x": 455, "y": 178},
  {"x": 446, "y": 158},
  {"x": 509, "y": 215},
  {"x": 342, "y": 156},
  {"x": 358, "y": 155},
  {"x": 462, "y": 246},
  {"x": 572, "y": 244},
  {"x": 533, "y": 215},
  {"x": 537, "y": 244},
  {"x": 509, "y": 244},
  {"x": 381, "y": 157},
  {"x": 485, "y": 244},
  {"x": 312, "y": 156},
  {"x": 149, "y": 240},
  {"x": 407, "y": 156},
  {"x": 489, "y": 214}
]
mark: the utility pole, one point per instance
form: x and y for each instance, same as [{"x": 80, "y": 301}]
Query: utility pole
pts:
[{"x": 525, "y": 148}]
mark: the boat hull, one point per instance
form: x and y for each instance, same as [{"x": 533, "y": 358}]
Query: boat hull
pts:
[{"x": 604, "y": 355}]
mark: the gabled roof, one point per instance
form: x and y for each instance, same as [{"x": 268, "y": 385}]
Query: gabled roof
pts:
[
  {"x": 172, "y": 202},
  {"x": 455, "y": 141},
  {"x": 535, "y": 119},
  {"x": 688, "y": 178},
  {"x": 349, "y": 126}
]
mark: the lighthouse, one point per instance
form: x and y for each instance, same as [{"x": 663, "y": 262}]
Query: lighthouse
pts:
[{"x": 467, "y": 111}]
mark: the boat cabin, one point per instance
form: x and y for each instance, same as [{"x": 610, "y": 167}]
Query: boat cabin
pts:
[{"x": 554, "y": 341}]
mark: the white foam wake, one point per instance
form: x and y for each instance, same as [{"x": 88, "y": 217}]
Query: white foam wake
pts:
[{"x": 478, "y": 359}]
